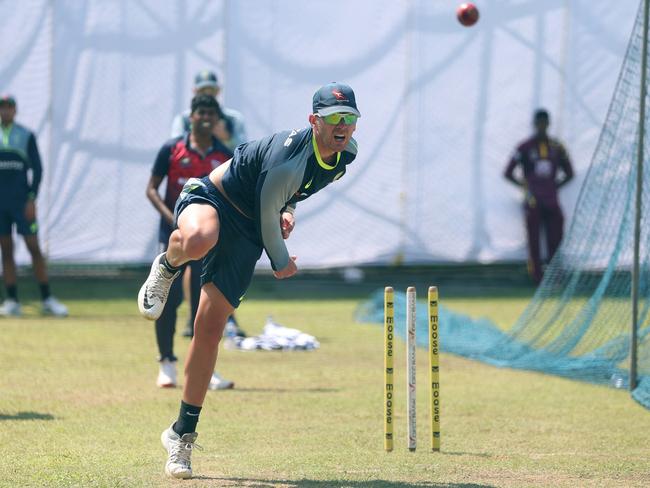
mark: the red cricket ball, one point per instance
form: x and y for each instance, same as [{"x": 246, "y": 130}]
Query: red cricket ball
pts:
[{"x": 467, "y": 14}]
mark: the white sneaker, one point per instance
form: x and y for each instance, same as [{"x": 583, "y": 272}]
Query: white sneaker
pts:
[
  {"x": 167, "y": 374},
  {"x": 179, "y": 452},
  {"x": 10, "y": 308},
  {"x": 219, "y": 383},
  {"x": 153, "y": 294},
  {"x": 51, "y": 306}
]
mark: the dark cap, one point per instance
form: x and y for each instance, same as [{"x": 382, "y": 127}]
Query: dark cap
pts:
[
  {"x": 541, "y": 113},
  {"x": 205, "y": 78},
  {"x": 335, "y": 98},
  {"x": 7, "y": 100}
]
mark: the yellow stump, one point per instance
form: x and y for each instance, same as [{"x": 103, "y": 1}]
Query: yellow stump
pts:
[
  {"x": 434, "y": 367},
  {"x": 389, "y": 332}
]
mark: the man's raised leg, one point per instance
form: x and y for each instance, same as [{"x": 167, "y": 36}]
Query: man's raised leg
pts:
[{"x": 197, "y": 233}]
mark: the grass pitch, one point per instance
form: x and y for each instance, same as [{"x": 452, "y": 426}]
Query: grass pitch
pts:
[{"x": 79, "y": 405}]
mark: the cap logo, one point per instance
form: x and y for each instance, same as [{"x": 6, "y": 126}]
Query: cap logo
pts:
[{"x": 339, "y": 96}]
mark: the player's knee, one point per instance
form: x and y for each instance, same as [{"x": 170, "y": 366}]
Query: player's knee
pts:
[
  {"x": 210, "y": 331},
  {"x": 34, "y": 250},
  {"x": 194, "y": 242}
]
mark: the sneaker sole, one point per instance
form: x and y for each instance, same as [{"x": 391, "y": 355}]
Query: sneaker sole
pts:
[{"x": 179, "y": 476}]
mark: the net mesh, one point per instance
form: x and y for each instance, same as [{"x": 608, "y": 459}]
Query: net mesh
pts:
[{"x": 578, "y": 324}]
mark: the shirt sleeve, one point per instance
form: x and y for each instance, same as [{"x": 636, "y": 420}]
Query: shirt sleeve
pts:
[
  {"x": 35, "y": 165},
  {"x": 291, "y": 208},
  {"x": 274, "y": 189},
  {"x": 161, "y": 165},
  {"x": 178, "y": 126},
  {"x": 515, "y": 160},
  {"x": 238, "y": 127},
  {"x": 565, "y": 163},
  {"x": 239, "y": 132}
]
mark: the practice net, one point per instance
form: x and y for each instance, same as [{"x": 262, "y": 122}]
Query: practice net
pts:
[{"x": 578, "y": 324}]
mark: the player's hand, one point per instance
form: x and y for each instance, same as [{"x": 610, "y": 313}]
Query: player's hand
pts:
[
  {"x": 30, "y": 210},
  {"x": 288, "y": 271},
  {"x": 169, "y": 218},
  {"x": 287, "y": 223},
  {"x": 220, "y": 131},
  {"x": 531, "y": 201}
]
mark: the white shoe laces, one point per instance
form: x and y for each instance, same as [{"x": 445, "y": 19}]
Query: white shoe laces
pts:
[
  {"x": 159, "y": 286},
  {"x": 181, "y": 451}
]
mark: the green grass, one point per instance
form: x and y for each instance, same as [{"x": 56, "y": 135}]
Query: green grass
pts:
[{"x": 79, "y": 405}]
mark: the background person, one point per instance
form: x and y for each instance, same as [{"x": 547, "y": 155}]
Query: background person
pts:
[
  {"x": 231, "y": 131},
  {"x": 544, "y": 167},
  {"x": 193, "y": 154},
  {"x": 20, "y": 178},
  {"x": 245, "y": 206}
]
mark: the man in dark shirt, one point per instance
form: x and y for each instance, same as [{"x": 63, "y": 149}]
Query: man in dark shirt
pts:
[
  {"x": 231, "y": 131},
  {"x": 244, "y": 207},
  {"x": 193, "y": 155},
  {"x": 543, "y": 168},
  {"x": 20, "y": 178}
]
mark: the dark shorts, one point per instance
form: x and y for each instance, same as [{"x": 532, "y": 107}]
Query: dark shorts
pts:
[
  {"x": 16, "y": 215},
  {"x": 231, "y": 262}
]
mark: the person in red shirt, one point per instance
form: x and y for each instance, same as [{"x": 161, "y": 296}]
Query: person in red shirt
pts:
[
  {"x": 541, "y": 166},
  {"x": 193, "y": 155}
]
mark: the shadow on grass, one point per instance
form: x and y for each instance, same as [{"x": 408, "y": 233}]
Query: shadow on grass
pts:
[
  {"x": 251, "y": 483},
  {"x": 456, "y": 453},
  {"x": 289, "y": 390},
  {"x": 26, "y": 416}
]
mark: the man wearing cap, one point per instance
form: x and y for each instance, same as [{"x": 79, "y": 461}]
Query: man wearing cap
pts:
[
  {"x": 230, "y": 129},
  {"x": 193, "y": 154},
  {"x": 244, "y": 207},
  {"x": 544, "y": 167},
  {"x": 231, "y": 132},
  {"x": 20, "y": 177}
]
